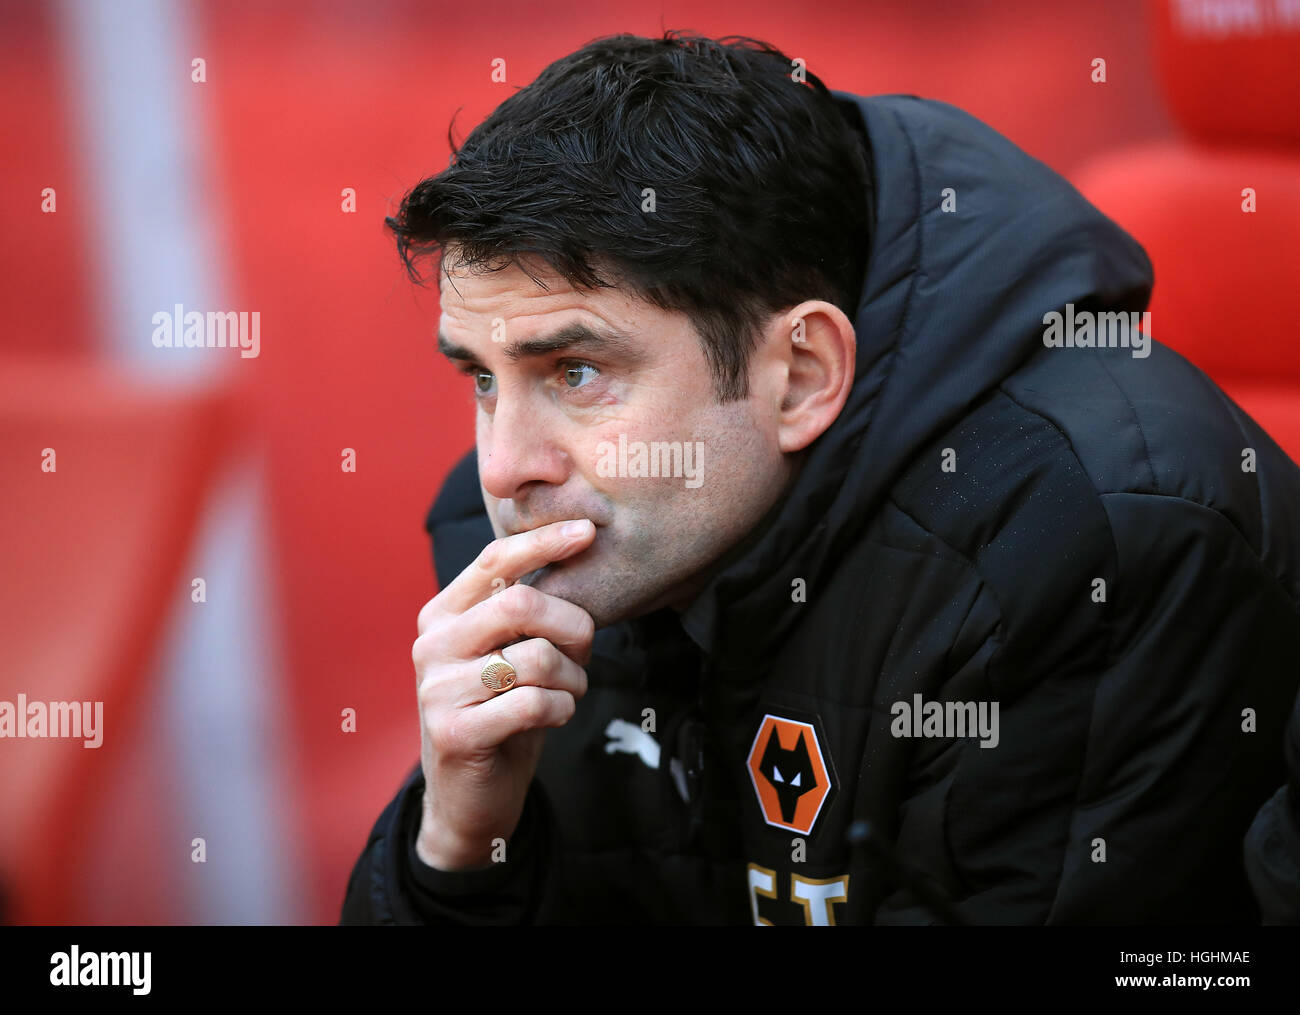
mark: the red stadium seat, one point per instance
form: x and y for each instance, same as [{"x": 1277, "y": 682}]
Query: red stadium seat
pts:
[{"x": 1225, "y": 274}]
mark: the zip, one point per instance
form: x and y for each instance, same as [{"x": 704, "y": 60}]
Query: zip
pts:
[{"x": 694, "y": 751}]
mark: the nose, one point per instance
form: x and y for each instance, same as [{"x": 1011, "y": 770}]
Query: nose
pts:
[{"x": 516, "y": 447}]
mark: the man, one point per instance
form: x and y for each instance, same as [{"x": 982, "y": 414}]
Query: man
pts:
[{"x": 885, "y": 603}]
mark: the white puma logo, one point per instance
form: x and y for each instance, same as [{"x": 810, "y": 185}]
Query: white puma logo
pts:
[{"x": 629, "y": 738}]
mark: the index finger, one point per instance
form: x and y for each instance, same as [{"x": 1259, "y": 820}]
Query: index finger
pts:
[{"x": 511, "y": 557}]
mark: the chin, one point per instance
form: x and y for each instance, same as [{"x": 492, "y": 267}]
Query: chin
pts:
[{"x": 602, "y": 596}]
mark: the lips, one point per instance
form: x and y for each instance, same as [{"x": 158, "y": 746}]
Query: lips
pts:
[
  {"x": 533, "y": 577},
  {"x": 562, "y": 518}
]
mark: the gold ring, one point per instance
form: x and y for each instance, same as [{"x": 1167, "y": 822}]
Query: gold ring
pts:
[{"x": 498, "y": 674}]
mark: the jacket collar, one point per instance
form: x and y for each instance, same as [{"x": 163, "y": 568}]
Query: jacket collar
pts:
[{"x": 951, "y": 304}]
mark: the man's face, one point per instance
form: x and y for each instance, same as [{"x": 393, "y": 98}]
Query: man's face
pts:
[{"x": 575, "y": 393}]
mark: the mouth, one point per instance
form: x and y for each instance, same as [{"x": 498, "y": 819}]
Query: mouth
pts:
[
  {"x": 533, "y": 577},
  {"x": 563, "y": 518}
]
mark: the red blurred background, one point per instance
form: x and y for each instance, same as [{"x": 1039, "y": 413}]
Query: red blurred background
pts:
[{"x": 223, "y": 718}]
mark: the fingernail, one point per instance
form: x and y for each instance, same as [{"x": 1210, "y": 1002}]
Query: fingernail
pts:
[{"x": 574, "y": 529}]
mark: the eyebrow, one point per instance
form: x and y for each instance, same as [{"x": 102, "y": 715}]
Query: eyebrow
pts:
[{"x": 578, "y": 337}]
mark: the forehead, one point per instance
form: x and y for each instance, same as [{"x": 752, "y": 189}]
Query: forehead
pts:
[{"x": 468, "y": 295}]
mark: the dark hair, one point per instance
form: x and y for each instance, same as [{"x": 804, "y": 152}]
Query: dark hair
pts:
[{"x": 760, "y": 186}]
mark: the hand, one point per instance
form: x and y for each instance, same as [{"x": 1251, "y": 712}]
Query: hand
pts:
[{"x": 480, "y": 748}]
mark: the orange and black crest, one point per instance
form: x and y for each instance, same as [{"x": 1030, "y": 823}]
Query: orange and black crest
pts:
[{"x": 790, "y": 773}]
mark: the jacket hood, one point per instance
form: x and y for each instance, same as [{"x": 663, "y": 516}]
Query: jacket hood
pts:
[{"x": 952, "y": 303}]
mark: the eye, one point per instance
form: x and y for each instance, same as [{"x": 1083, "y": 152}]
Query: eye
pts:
[
  {"x": 575, "y": 374},
  {"x": 483, "y": 382}
]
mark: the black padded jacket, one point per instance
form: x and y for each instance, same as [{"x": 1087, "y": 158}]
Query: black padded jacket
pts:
[{"x": 1097, "y": 541}]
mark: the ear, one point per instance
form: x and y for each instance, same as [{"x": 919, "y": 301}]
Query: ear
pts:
[{"x": 816, "y": 344}]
